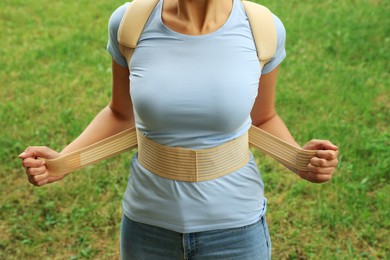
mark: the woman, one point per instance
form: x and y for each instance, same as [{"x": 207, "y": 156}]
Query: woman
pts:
[{"x": 195, "y": 83}]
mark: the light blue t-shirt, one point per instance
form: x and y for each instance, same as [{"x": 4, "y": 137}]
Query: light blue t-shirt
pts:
[{"x": 194, "y": 92}]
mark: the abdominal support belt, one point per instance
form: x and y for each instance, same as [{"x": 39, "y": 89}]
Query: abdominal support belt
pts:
[{"x": 184, "y": 164}]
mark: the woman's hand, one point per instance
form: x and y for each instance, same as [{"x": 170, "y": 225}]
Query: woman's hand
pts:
[
  {"x": 322, "y": 166},
  {"x": 35, "y": 168}
]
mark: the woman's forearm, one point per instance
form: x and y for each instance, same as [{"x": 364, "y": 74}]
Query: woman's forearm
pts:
[
  {"x": 276, "y": 127},
  {"x": 105, "y": 124}
]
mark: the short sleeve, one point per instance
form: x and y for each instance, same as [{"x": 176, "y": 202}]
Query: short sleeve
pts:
[
  {"x": 280, "y": 53},
  {"x": 113, "y": 25}
]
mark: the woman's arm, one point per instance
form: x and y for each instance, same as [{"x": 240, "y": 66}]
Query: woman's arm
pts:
[
  {"x": 114, "y": 118},
  {"x": 264, "y": 116}
]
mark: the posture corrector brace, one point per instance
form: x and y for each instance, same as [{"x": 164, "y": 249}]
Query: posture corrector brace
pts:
[{"x": 179, "y": 163}]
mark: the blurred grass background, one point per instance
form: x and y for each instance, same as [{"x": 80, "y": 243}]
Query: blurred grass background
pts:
[{"x": 55, "y": 75}]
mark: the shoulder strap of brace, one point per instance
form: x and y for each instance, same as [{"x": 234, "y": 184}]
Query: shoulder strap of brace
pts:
[
  {"x": 263, "y": 28},
  {"x": 132, "y": 25},
  {"x": 137, "y": 14}
]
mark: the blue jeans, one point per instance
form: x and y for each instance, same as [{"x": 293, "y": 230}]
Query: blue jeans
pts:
[{"x": 140, "y": 241}]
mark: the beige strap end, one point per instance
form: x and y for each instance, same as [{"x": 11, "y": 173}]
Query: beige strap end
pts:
[
  {"x": 94, "y": 153},
  {"x": 285, "y": 153}
]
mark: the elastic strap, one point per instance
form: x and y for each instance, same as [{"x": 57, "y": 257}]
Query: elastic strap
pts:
[
  {"x": 193, "y": 165},
  {"x": 278, "y": 149}
]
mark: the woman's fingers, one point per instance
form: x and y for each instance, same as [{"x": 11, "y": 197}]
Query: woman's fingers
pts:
[
  {"x": 316, "y": 144},
  {"x": 35, "y": 167},
  {"x": 327, "y": 154},
  {"x": 36, "y": 171},
  {"x": 314, "y": 177},
  {"x": 38, "y": 181},
  {"x": 321, "y": 170},
  {"x": 32, "y": 162},
  {"x": 42, "y": 179},
  {"x": 324, "y": 163},
  {"x": 39, "y": 151},
  {"x": 38, "y": 177}
]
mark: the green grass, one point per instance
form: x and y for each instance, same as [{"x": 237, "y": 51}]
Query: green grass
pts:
[{"x": 55, "y": 76}]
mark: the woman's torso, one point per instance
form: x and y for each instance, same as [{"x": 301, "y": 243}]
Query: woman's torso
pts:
[{"x": 194, "y": 92}]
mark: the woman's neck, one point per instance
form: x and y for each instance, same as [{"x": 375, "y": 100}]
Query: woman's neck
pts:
[{"x": 196, "y": 16}]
